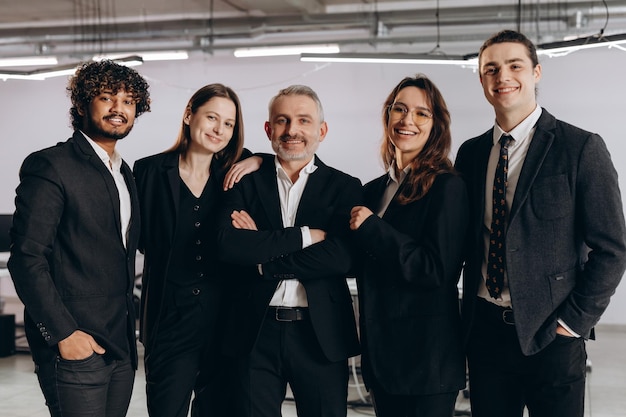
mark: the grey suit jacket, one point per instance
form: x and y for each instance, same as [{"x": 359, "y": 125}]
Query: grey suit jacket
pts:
[{"x": 566, "y": 238}]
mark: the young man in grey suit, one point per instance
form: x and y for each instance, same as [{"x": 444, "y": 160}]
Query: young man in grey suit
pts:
[
  {"x": 74, "y": 237},
  {"x": 286, "y": 225},
  {"x": 544, "y": 257}
]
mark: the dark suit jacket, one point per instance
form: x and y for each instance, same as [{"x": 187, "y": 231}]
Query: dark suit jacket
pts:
[
  {"x": 407, "y": 279},
  {"x": 68, "y": 261},
  {"x": 158, "y": 181},
  {"x": 326, "y": 202},
  {"x": 566, "y": 239}
]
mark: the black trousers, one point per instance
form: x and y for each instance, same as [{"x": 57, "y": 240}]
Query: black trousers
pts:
[
  {"x": 184, "y": 358},
  {"x": 392, "y": 405},
  {"x": 93, "y": 387},
  {"x": 288, "y": 352},
  {"x": 502, "y": 381}
]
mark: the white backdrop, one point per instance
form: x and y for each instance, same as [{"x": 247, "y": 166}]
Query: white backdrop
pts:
[{"x": 587, "y": 89}]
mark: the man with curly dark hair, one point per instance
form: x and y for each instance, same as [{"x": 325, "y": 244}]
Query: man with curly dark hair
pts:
[{"x": 74, "y": 237}]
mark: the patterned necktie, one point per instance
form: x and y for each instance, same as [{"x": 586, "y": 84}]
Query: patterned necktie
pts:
[{"x": 495, "y": 264}]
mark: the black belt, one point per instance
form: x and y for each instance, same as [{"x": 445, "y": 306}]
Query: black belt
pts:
[
  {"x": 288, "y": 313},
  {"x": 503, "y": 314}
]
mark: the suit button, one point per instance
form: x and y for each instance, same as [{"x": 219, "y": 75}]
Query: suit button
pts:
[
  {"x": 45, "y": 334},
  {"x": 39, "y": 324},
  {"x": 196, "y": 291},
  {"x": 48, "y": 337},
  {"x": 42, "y": 329}
]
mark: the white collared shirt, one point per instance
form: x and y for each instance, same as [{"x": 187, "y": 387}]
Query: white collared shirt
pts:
[
  {"x": 114, "y": 165},
  {"x": 291, "y": 293},
  {"x": 518, "y": 148},
  {"x": 393, "y": 184}
]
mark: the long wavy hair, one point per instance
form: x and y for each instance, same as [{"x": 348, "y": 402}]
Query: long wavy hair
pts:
[
  {"x": 434, "y": 157},
  {"x": 232, "y": 152}
]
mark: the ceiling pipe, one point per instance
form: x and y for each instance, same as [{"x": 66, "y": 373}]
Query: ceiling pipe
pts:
[{"x": 406, "y": 28}]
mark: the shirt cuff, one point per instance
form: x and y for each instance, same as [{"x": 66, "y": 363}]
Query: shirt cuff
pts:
[
  {"x": 306, "y": 237},
  {"x": 566, "y": 327}
]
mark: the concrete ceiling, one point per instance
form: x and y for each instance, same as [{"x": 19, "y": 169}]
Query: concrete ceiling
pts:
[{"x": 76, "y": 29}]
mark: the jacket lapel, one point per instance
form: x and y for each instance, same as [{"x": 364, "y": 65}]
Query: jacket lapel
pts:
[
  {"x": 90, "y": 155},
  {"x": 267, "y": 191},
  {"x": 537, "y": 151},
  {"x": 315, "y": 187},
  {"x": 133, "y": 227},
  {"x": 172, "y": 178},
  {"x": 482, "y": 160},
  {"x": 375, "y": 190}
]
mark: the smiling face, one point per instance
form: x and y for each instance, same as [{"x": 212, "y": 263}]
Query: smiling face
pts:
[
  {"x": 509, "y": 78},
  {"x": 295, "y": 128},
  {"x": 109, "y": 117},
  {"x": 211, "y": 126},
  {"x": 407, "y": 137}
]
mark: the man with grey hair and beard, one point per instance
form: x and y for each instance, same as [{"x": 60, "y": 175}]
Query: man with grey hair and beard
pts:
[{"x": 285, "y": 229}]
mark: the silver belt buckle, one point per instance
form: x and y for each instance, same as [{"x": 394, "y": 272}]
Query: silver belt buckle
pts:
[{"x": 507, "y": 317}]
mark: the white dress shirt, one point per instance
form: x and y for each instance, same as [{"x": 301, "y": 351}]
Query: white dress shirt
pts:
[
  {"x": 518, "y": 148},
  {"x": 114, "y": 165},
  {"x": 291, "y": 293}
]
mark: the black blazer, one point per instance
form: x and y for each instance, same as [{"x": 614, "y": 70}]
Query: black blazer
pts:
[
  {"x": 407, "y": 279},
  {"x": 566, "y": 238},
  {"x": 68, "y": 261},
  {"x": 326, "y": 202},
  {"x": 158, "y": 181}
]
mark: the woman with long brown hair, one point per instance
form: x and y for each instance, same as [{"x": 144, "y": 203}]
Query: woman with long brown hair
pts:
[
  {"x": 183, "y": 283},
  {"x": 410, "y": 235}
]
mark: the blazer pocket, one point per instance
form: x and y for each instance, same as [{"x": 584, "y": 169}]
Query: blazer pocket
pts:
[
  {"x": 561, "y": 285},
  {"x": 551, "y": 197}
]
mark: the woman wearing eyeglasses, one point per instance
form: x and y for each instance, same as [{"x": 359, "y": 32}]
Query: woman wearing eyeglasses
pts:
[{"x": 410, "y": 237}]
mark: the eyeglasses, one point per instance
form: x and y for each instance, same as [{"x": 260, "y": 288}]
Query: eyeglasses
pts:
[{"x": 399, "y": 111}]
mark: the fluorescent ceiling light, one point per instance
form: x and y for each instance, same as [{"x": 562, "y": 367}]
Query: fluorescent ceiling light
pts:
[
  {"x": 126, "y": 60},
  {"x": 393, "y": 58},
  {"x": 148, "y": 56},
  {"x": 28, "y": 61},
  {"x": 555, "y": 49},
  {"x": 60, "y": 70},
  {"x": 164, "y": 56},
  {"x": 286, "y": 50}
]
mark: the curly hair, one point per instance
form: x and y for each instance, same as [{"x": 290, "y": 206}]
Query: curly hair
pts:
[
  {"x": 433, "y": 159},
  {"x": 232, "y": 152},
  {"x": 92, "y": 78}
]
